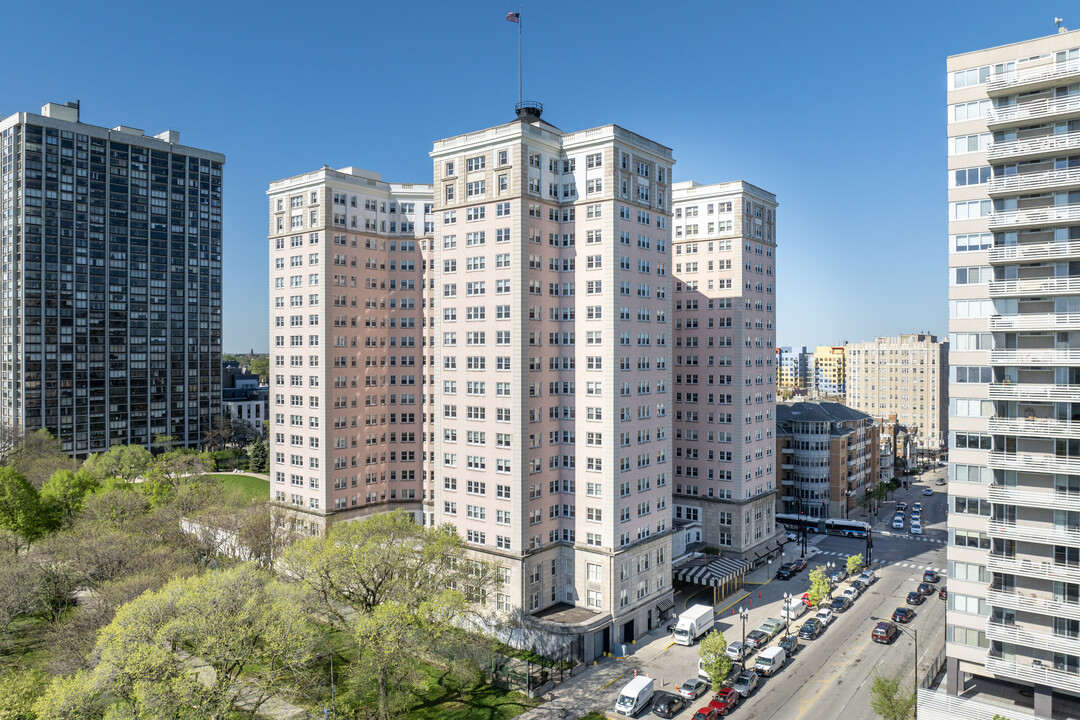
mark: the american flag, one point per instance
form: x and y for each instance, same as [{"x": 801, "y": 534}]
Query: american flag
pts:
[{"x": 513, "y": 17}]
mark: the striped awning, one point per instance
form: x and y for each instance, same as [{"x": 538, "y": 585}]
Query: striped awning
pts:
[{"x": 710, "y": 571}]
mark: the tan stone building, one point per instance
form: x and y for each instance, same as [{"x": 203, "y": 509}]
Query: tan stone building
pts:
[{"x": 905, "y": 376}]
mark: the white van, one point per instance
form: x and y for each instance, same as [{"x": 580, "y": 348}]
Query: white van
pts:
[
  {"x": 793, "y": 609},
  {"x": 635, "y": 696},
  {"x": 770, "y": 660}
]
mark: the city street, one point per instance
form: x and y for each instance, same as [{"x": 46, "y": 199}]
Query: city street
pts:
[{"x": 830, "y": 677}]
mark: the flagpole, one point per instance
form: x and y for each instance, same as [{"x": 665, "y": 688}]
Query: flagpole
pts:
[{"x": 519, "y": 56}]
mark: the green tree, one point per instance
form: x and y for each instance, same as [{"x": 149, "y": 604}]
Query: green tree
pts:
[
  {"x": 854, "y": 564},
  {"x": 19, "y": 688},
  {"x": 259, "y": 456},
  {"x": 171, "y": 470},
  {"x": 403, "y": 589},
  {"x": 220, "y": 433},
  {"x": 62, "y": 494},
  {"x": 889, "y": 701},
  {"x": 39, "y": 455},
  {"x": 260, "y": 365},
  {"x": 714, "y": 660},
  {"x": 125, "y": 462},
  {"x": 240, "y": 623},
  {"x": 21, "y": 513},
  {"x": 819, "y": 585}
]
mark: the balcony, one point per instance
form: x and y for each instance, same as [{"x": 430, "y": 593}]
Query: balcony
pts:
[
  {"x": 1060, "y": 108},
  {"x": 1051, "y": 179},
  {"x": 1034, "y": 674},
  {"x": 1030, "y": 533},
  {"x": 1033, "y": 462},
  {"x": 1035, "y": 252},
  {"x": 1033, "y": 603},
  {"x": 1047, "y": 145},
  {"x": 1022, "y": 391},
  {"x": 1028, "y": 639},
  {"x": 1036, "y": 356},
  {"x": 1033, "y": 217},
  {"x": 1039, "y": 427},
  {"x": 1033, "y": 78},
  {"x": 1027, "y": 568},
  {"x": 1041, "y": 321},
  {"x": 1048, "y": 499},
  {"x": 1035, "y": 286},
  {"x": 940, "y": 705}
]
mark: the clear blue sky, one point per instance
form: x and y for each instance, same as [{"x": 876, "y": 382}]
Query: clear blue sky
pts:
[{"x": 837, "y": 107}]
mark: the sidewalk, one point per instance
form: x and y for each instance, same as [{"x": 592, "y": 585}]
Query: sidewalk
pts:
[{"x": 585, "y": 692}]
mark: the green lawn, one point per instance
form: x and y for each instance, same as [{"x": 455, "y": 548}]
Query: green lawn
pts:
[
  {"x": 444, "y": 699},
  {"x": 252, "y": 488}
]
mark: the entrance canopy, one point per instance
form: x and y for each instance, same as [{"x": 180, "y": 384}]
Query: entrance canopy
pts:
[{"x": 711, "y": 571}]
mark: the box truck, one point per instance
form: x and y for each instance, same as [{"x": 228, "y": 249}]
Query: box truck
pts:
[{"x": 695, "y": 622}]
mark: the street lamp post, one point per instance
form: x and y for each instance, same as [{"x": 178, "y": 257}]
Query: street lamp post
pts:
[
  {"x": 787, "y": 612},
  {"x": 914, "y": 662},
  {"x": 831, "y": 566},
  {"x": 743, "y": 613}
]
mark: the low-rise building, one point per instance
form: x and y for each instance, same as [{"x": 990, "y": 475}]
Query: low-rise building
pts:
[{"x": 829, "y": 458}]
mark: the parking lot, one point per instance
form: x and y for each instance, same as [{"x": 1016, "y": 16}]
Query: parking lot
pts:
[{"x": 828, "y": 677}]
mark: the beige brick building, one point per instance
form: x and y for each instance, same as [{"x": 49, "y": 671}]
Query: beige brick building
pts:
[{"x": 905, "y": 376}]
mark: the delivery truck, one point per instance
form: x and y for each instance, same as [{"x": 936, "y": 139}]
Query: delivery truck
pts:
[{"x": 695, "y": 622}]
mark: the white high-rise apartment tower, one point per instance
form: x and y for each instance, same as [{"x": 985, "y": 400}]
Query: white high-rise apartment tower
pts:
[
  {"x": 725, "y": 364},
  {"x": 1014, "y": 422},
  {"x": 553, "y": 343}
]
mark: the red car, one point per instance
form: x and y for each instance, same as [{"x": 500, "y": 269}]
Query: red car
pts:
[
  {"x": 725, "y": 701},
  {"x": 707, "y": 713},
  {"x": 798, "y": 564}
]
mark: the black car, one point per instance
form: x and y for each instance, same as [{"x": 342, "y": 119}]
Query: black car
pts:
[
  {"x": 915, "y": 598},
  {"x": 812, "y": 629},
  {"x": 840, "y": 604},
  {"x": 930, "y": 577},
  {"x": 903, "y": 615},
  {"x": 790, "y": 644},
  {"x": 926, "y": 588},
  {"x": 666, "y": 705},
  {"x": 786, "y": 571}
]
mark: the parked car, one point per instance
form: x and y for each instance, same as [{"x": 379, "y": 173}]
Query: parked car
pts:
[
  {"x": 915, "y": 598},
  {"x": 825, "y": 616},
  {"x": 725, "y": 701},
  {"x": 926, "y": 588},
  {"x": 884, "y": 632},
  {"x": 838, "y": 575},
  {"x": 786, "y": 571},
  {"x": 772, "y": 627},
  {"x": 939, "y": 481},
  {"x": 799, "y": 564},
  {"x": 942, "y": 593},
  {"x": 790, "y": 644},
  {"x": 692, "y": 689},
  {"x": 793, "y": 608},
  {"x": 745, "y": 682},
  {"x": 756, "y": 639},
  {"x": 791, "y": 535},
  {"x": 929, "y": 576},
  {"x": 867, "y": 577},
  {"x": 915, "y": 529},
  {"x": 811, "y": 629},
  {"x": 737, "y": 651},
  {"x": 928, "y": 491},
  {"x": 706, "y": 713},
  {"x": 666, "y": 705},
  {"x": 898, "y": 522},
  {"x": 903, "y": 615},
  {"x": 840, "y": 604},
  {"x": 858, "y": 586}
]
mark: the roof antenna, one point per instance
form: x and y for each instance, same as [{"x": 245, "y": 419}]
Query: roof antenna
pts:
[{"x": 1057, "y": 23}]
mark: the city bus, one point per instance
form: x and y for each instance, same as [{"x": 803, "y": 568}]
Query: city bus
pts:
[
  {"x": 796, "y": 523},
  {"x": 847, "y": 528}
]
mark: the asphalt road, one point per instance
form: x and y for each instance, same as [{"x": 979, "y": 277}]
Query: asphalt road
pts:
[{"x": 830, "y": 677}]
